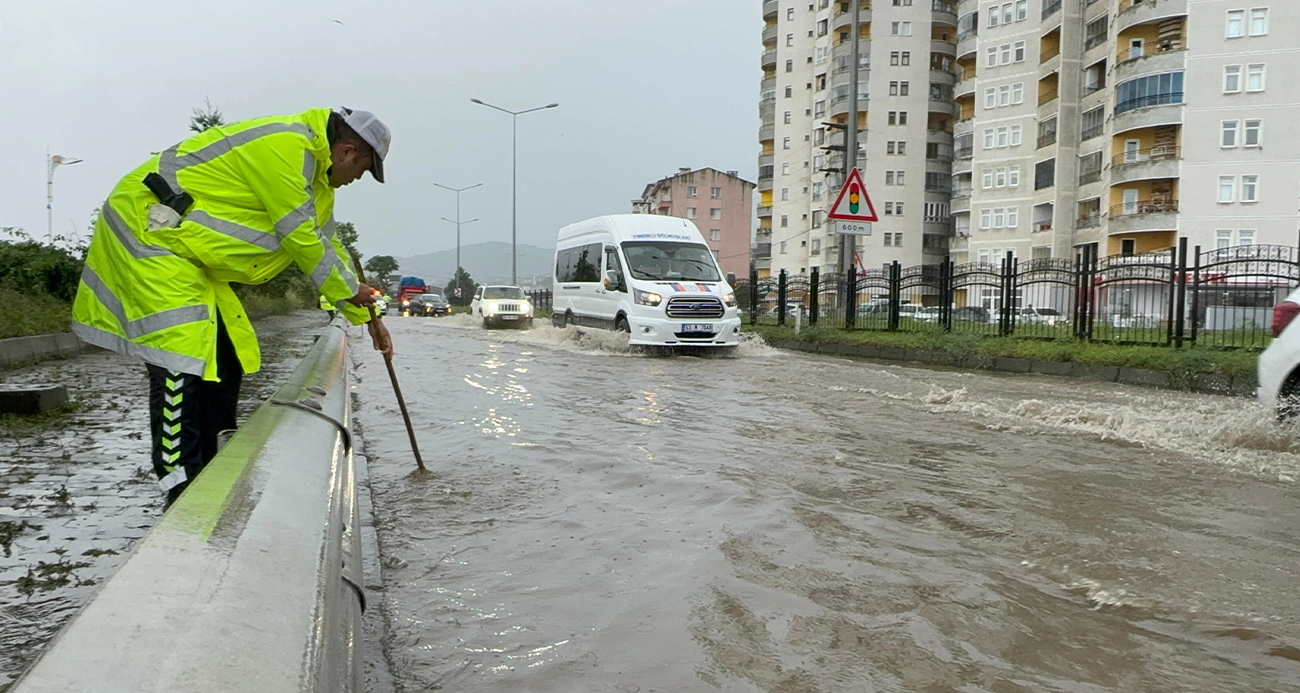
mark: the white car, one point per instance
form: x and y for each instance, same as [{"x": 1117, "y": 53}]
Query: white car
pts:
[
  {"x": 502, "y": 306},
  {"x": 1279, "y": 365}
]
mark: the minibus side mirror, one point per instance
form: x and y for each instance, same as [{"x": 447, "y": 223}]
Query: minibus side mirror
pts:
[{"x": 612, "y": 280}]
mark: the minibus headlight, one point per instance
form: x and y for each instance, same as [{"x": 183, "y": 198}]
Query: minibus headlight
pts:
[
  {"x": 730, "y": 299},
  {"x": 647, "y": 298}
]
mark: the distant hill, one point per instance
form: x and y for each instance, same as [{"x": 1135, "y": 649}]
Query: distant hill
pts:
[{"x": 487, "y": 263}]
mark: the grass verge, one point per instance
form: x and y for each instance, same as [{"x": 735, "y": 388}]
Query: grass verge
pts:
[
  {"x": 1179, "y": 363},
  {"x": 23, "y": 315}
]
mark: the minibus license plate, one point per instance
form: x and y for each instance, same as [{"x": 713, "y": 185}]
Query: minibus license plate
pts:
[
  {"x": 697, "y": 327},
  {"x": 509, "y": 317}
]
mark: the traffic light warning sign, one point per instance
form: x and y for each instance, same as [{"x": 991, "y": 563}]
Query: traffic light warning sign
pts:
[{"x": 853, "y": 204}]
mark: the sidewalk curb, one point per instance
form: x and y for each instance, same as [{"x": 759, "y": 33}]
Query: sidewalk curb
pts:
[
  {"x": 1205, "y": 383},
  {"x": 22, "y": 351}
]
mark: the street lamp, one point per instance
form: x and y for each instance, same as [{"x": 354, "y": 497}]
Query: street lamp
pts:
[
  {"x": 514, "y": 180},
  {"x": 456, "y": 275},
  {"x": 53, "y": 162}
]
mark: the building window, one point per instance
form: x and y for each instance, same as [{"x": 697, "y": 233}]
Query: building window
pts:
[
  {"x": 1013, "y": 217},
  {"x": 994, "y": 16},
  {"x": 1150, "y": 90},
  {"x": 999, "y": 218},
  {"x": 823, "y": 54},
  {"x": 1259, "y": 21},
  {"x": 715, "y": 234},
  {"x": 988, "y": 138},
  {"x": 1222, "y": 239},
  {"x": 715, "y": 193},
  {"x": 783, "y": 245},
  {"x": 785, "y": 143},
  {"x": 1022, "y": 10},
  {"x": 1020, "y": 51},
  {"x": 789, "y": 66},
  {"x": 819, "y": 216},
  {"x": 1231, "y": 79},
  {"x": 990, "y": 98},
  {"x": 1253, "y": 133},
  {"x": 1250, "y": 188},
  {"x": 986, "y": 219},
  {"x": 1094, "y": 123},
  {"x": 889, "y": 177},
  {"x": 692, "y": 191},
  {"x": 991, "y": 57},
  {"x": 1236, "y": 26},
  {"x": 789, "y": 91},
  {"x": 1228, "y": 134},
  {"x": 1227, "y": 189},
  {"x": 1000, "y": 178},
  {"x": 889, "y": 240},
  {"x": 816, "y": 247},
  {"x": 785, "y": 194},
  {"x": 789, "y": 40},
  {"x": 987, "y": 178},
  {"x": 1018, "y": 93},
  {"x": 785, "y": 223},
  {"x": 787, "y": 117},
  {"x": 690, "y": 212},
  {"x": 823, "y": 27},
  {"x": 889, "y": 209},
  {"x": 1015, "y": 136},
  {"x": 789, "y": 14},
  {"x": 1008, "y": 13},
  {"x": 901, "y": 28},
  {"x": 819, "y": 109},
  {"x": 1245, "y": 236},
  {"x": 907, "y": 58},
  {"x": 816, "y": 191},
  {"x": 1004, "y": 95},
  {"x": 715, "y": 213},
  {"x": 1255, "y": 77},
  {"x": 1128, "y": 246}
]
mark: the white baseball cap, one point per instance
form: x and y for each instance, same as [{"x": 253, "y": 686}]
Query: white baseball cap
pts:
[{"x": 374, "y": 132}]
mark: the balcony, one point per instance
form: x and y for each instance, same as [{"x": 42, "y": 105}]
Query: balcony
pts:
[
  {"x": 767, "y": 111},
  {"x": 1146, "y": 164},
  {"x": 1051, "y": 7},
  {"x": 1046, "y": 139},
  {"x": 960, "y": 201},
  {"x": 763, "y": 251},
  {"x": 943, "y": 47},
  {"x": 961, "y": 164},
  {"x": 966, "y": 42},
  {"x": 1087, "y": 177},
  {"x": 943, "y": 77},
  {"x": 764, "y": 211},
  {"x": 843, "y": 21},
  {"x": 1144, "y": 215},
  {"x": 765, "y": 160},
  {"x": 764, "y": 184},
  {"x": 1169, "y": 56},
  {"x": 1135, "y": 12},
  {"x": 840, "y": 105},
  {"x": 769, "y": 34},
  {"x": 1048, "y": 96},
  {"x": 1148, "y": 111},
  {"x": 770, "y": 9},
  {"x": 769, "y": 59},
  {"x": 768, "y": 86},
  {"x": 965, "y": 87},
  {"x": 963, "y": 126},
  {"x": 844, "y": 49},
  {"x": 944, "y": 12},
  {"x": 942, "y": 102},
  {"x": 1042, "y": 226},
  {"x": 1088, "y": 221}
]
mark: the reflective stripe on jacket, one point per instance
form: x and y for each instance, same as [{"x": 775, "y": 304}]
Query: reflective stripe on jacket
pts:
[{"x": 262, "y": 200}]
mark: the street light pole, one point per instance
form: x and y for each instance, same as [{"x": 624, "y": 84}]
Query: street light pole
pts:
[
  {"x": 51, "y": 163},
  {"x": 455, "y": 276},
  {"x": 514, "y": 180}
]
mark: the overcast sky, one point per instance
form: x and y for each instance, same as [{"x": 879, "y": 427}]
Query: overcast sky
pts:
[{"x": 643, "y": 87}]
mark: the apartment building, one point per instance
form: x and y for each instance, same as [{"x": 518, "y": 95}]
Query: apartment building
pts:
[
  {"x": 1122, "y": 125},
  {"x": 720, "y": 204},
  {"x": 907, "y": 53},
  {"x": 1112, "y": 125}
]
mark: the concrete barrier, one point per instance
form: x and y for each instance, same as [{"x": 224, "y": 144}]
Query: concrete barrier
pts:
[
  {"x": 20, "y": 351},
  {"x": 252, "y": 580}
]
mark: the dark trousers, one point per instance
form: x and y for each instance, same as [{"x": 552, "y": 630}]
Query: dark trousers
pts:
[{"x": 186, "y": 413}]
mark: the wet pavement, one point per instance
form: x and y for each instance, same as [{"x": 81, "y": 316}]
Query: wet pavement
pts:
[
  {"x": 77, "y": 489},
  {"x": 606, "y": 521}
]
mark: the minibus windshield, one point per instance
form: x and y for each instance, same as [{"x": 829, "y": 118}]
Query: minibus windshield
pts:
[{"x": 689, "y": 262}]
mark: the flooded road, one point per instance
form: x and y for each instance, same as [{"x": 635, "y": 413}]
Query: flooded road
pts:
[{"x": 603, "y": 521}]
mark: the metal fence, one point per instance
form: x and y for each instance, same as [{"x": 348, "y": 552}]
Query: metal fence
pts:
[
  {"x": 1221, "y": 298},
  {"x": 541, "y": 298}
]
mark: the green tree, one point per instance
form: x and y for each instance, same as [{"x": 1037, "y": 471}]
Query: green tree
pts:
[
  {"x": 204, "y": 118},
  {"x": 378, "y": 267},
  {"x": 467, "y": 288},
  {"x": 347, "y": 234}
]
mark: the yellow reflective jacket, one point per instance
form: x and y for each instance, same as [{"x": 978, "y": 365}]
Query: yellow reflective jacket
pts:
[{"x": 262, "y": 200}]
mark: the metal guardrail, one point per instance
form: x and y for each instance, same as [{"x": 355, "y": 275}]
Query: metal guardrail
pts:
[{"x": 252, "y": 580}]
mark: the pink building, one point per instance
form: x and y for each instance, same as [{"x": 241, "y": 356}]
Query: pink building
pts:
[{"x": 719, "y": 204}]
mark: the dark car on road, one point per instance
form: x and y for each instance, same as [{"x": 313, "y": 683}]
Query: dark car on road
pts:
[{"x": 429, "y": 305}]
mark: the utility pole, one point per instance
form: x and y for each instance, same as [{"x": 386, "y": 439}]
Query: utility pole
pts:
[
  {"x": 514, "y": 180},
  {"x": 456, "y": 274},
  {"x": 848, "y": 243},
  {"x": 51, "y": 163}
]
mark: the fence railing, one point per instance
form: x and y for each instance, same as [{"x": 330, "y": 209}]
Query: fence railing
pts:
[
  {"x": 1173, "y": 297},
  {"x": 541, "y": 299}
]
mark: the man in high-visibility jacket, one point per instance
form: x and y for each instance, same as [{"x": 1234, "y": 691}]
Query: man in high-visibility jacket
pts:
[
  {"x": 330, "y": 308},
  {"x": 235, "y": 203}
]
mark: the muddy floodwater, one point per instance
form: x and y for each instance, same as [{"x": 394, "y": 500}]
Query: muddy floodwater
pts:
[{"x": 603, "y": 521}]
